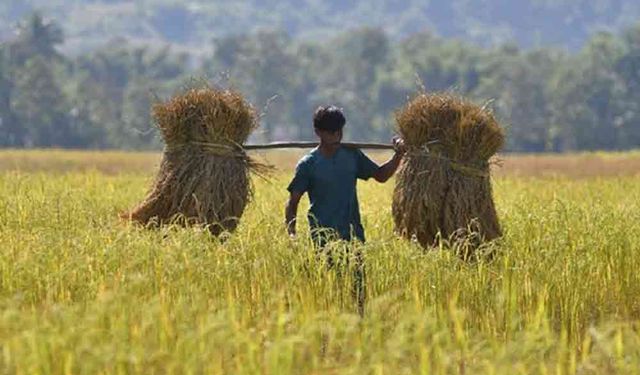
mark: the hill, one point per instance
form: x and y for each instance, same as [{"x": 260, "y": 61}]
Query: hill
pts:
[{"x": 563, "y": 23}]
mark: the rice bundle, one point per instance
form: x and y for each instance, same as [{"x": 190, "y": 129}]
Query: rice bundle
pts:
[
  {"x": 443, "y": 188},
  {"x": 204, "y": 174}
]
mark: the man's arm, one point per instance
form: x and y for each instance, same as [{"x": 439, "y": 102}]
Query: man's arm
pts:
[
  {"x": 291, "y": 211},
  {"x": 386, "y": 170}
]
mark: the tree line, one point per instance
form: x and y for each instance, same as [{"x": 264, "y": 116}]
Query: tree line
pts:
[{"x": 548, "y": 99}]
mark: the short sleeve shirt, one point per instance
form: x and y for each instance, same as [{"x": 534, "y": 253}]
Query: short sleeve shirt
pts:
[{"x": 331, "y": 185}]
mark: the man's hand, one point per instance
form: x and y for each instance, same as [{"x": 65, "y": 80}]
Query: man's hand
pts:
[
  {"x": 398, "y": 145},
  {"x": 291, "y": 228},
  {"x": 387, "y": 170},
  {"x": 290, "y": 212}
]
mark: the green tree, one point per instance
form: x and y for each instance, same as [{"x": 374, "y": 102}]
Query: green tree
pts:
[
  {"x": 587, "y": 96},
  {"x": 117, "y": 82},
  {"x": 11, "y": 130},
  {"x": 36, "y": 36},
  {"x": 628, "y": 70},
  {"x": 263, "y": 67},
  {"x": 439, "y": 65},
  {"x": 517, "y": 83},
  {"x": 39, "y": 103},
  {"x": 347, "y": 77},
  {"x": 303, "y": 91},
  {"x": 85, "y": 113},
  {"x": 138, "y": 125}
]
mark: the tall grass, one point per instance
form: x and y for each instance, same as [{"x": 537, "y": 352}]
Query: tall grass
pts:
[{"x": 83, "y": 293}]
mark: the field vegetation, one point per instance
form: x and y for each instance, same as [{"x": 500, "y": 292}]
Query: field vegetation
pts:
[{"x": 82, "y": 292}]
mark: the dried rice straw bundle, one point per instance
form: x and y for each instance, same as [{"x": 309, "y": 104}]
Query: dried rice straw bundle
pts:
[
  {"x": 204, "y": 176},
  {"x": 443, "y": 189}
]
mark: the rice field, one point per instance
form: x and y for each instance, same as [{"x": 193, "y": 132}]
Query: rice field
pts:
[{"x": 82, "y": 292}]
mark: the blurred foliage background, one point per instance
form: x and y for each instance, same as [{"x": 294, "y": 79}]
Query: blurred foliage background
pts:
[{"x": 561, "y": 75}]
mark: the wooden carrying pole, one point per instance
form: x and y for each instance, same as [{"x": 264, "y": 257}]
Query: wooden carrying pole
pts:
[{"x": 276, "y": 145}]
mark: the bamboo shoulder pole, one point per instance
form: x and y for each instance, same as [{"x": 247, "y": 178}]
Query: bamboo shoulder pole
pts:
[{"x": 276, "y": 145}]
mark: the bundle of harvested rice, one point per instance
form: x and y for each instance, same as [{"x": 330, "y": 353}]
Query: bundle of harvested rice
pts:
[
  {"x": 443, "y": 189},
  {"x": 204, "y": 174}
]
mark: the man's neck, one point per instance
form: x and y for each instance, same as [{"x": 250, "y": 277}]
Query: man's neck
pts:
[{"x": 328, "y": 150}]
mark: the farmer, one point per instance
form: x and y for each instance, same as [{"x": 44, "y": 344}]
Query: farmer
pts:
[{"x": 329, "y": 174}]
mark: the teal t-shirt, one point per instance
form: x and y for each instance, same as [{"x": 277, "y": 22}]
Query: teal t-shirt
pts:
[{"x": 331, "y": 185}]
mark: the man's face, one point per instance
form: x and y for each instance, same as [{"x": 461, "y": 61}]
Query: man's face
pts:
[{"x": 330, "y": 137}]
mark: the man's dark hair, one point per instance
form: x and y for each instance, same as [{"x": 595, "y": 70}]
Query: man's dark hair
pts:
[{"x": 328, "y": 118}]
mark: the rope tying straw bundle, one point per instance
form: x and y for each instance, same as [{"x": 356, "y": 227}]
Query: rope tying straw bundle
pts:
[
  {"x": 481, "y": 170},
  {"x": 216, "y": 149}
]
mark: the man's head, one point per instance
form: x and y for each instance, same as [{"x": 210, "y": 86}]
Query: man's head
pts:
[{"x": 328, "y": 122}]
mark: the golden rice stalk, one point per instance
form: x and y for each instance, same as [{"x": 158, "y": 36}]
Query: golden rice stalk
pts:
[
  {"x": 204, "y": 176},
  {"x": 443, "y": 188}
]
